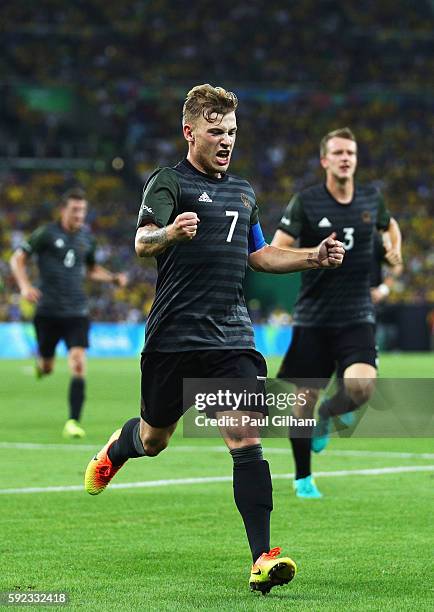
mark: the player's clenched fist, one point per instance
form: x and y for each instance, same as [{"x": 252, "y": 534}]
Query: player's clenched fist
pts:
[
  {"x": 184, "y": 227},
  {"x": 331, "y": 252}
]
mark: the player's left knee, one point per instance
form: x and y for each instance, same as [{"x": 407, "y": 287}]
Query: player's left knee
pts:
[
  {"x": 78, "y": 369},
  {"x": 77, "y": 364},
  {"x": 360, "y": 389}
]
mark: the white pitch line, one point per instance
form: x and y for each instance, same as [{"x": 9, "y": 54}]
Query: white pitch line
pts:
[
  {"x": 212, "y": 479},
  {"x": 391, "y": 454},
  {"x": 216, "y": 449},
  {"x": 41, "y": 446}
]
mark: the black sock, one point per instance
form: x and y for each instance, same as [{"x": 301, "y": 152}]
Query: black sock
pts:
[
  {"x": 128, "y": 445},
  {"x": 340, "y": 403},
  {"x": 253, "y": 494},
  {"x": 301, "y": 440},
  {"x": 76, "y": 397},
  {"x": 301, "y": 449}
]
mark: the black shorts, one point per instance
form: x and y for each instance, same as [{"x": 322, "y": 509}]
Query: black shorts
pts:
[
  {"x": 317, "y": 352},
  {"x": 50, "y": 330},
  {"x": 163, "y": 375}
]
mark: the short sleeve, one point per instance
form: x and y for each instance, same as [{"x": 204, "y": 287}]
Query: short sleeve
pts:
[
  {"x": 160, "y": 198},
  {"x": 90, "y": 255},
  {"x": 254, "y": 215},
  {"x": 36, "y": 241},
  {"x": 292, "y": 220},
  {"x": 383, "y": 215},
  {"x": 256, "y": 237}
]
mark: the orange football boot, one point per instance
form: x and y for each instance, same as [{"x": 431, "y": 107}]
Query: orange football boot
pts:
[
  {"x": 270, "y": 570},
  {"x": 100, "y": 469}
]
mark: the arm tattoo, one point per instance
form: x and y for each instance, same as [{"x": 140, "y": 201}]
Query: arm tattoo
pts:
[
  {"x": 313, "y": 259},
  {"x": 158, "y": 236}
]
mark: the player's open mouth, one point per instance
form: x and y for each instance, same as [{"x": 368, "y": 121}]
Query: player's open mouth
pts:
[{"x": 223, "y": 157}]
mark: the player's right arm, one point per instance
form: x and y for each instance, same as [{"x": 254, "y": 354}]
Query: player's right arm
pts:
[
  {"x": 158, "y": 227},
  {"x": 282, "y": 240},
  {"x": 290, "y": 225},
  {"x": 19, "y": 270},
  {"x": 289, "y": 230},
  {"x": 36, "y": 243},
  {"x": 152, "y": 240}
]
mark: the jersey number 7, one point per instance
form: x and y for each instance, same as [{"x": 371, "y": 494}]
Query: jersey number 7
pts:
[{"x": 234, "y": 214}]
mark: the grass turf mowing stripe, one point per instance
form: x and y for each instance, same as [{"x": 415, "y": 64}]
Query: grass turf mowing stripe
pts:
[
  {"x": 211, "y": 479},
  {"x": 218, "y": 449}
]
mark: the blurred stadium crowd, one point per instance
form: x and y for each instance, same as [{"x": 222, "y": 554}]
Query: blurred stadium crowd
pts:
[{"x": 91, "y": 94}]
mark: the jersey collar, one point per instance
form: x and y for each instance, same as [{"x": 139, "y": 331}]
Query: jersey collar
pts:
[
  {"x": 190, "y": 166},
  {"x": 337, "y": 201}
]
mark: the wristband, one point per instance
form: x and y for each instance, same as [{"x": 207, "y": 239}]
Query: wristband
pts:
[{"x": 383, "y": 289}]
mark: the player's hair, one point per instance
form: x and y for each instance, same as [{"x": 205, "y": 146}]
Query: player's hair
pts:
[
  {"x": 76, "y": 193},
  {"x": 340, "y": 133},
  {"x": 209, "y": 102}
]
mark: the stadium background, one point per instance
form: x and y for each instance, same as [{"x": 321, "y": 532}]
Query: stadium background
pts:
[{"x": 91, "y": 95}]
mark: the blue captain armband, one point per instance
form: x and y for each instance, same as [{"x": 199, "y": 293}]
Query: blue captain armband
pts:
[{"x": 256, "y": 238}]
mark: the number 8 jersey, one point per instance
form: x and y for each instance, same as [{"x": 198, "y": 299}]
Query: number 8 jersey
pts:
[
  {"x": 62, "y": 259},
  {"x": 341, "y": 296},
  {"x": 199, "y": 302}
]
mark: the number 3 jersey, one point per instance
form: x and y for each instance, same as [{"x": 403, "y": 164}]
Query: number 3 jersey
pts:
[
  {"x": 341, "y": 296},
  {"x": 62, "y": 259},
  {"x": 199, "y": 302}
]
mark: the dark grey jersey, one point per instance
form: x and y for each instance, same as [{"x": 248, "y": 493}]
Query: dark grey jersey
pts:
[
  {"x": 62, "y": 259},
  {"x": 340, "y": 296},
  {"x": 199, "y": 302}
]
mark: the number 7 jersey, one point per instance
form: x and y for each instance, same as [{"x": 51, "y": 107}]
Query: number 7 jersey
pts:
[
  {"x": 199, "y": 302},
  {"x": 341, "y": 296}
]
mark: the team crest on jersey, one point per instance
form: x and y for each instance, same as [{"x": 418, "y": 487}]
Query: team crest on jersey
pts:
[
  {"x": 245, "y": 200},
  {"x": 366, "y": 216},
  {"x": 59, "y": 243}
]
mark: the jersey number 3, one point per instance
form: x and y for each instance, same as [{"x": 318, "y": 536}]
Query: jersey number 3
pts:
[
  {"x": 234, "y": 214},
  {"x": 348, "y": 238}
]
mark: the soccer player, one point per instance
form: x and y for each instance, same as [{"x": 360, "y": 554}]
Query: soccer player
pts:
[
  {"x": 65, "y": 252},
  {"x": 334, "y": 317},
  {"x": 201, "y": 224}
]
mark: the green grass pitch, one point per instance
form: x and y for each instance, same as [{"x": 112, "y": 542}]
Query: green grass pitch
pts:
[{"x": 368, "y": 545}]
